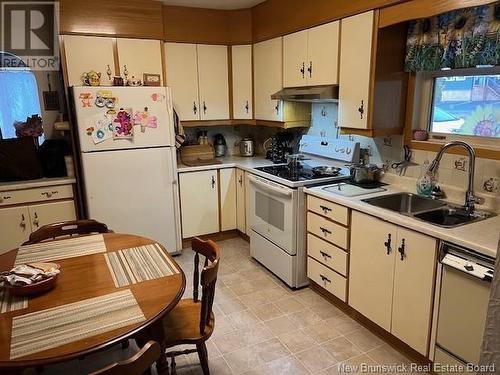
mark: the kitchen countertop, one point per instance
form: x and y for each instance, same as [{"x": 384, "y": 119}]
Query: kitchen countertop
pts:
[
  {"x": 481, "y": 236},
  {"x": 41, "y": 182},
  {"x": 246, "y": 163}
]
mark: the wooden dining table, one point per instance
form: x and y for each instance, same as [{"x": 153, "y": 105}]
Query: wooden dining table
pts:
[{"x": 86, "y": 277}]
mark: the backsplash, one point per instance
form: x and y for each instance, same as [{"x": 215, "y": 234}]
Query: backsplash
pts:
[{"x": 453, "y": 169}]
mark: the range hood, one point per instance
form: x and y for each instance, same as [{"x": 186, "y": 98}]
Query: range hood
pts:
[{"x": 311, "y": 94}]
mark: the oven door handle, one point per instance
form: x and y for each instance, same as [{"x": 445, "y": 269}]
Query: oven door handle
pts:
[{"x": 263, "y": 185}]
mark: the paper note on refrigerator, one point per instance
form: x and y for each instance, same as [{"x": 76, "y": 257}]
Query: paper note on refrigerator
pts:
[{"x": 100, "y": 127}]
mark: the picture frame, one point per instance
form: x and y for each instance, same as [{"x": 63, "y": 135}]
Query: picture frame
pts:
[
  {"x": 151, "y": 79},
  {"x": 51, "y": 100}
]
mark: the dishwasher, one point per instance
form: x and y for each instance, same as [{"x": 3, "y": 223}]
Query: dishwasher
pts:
[{"x": 463, "y": 303}]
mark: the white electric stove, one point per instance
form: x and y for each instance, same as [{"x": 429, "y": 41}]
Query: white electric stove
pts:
[{"x": 277, "y": 204}]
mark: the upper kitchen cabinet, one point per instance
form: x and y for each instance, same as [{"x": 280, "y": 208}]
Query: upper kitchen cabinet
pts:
[
  {"x": 372, "y": 90},
  {"x": 139, "y": 56},
  {"x": 198, "y": 75},
  {"x": 268, "y": 74},
  {"x": 267, "y": 65},
  {"x": 85, "y": 53},
  {"x": 241, "y": 57},
  {"x": 182, "y": 77},
  {"x": 310, "y": 57},
  {"x": 213, "y": 82}
]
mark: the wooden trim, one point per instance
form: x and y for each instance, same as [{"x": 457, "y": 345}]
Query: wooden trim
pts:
[
  {"x": 423, "y": 8},
  {"x": 216, "y": 237},
  {"x": 373, "y": 69},
  {"x": 410, "y": 100},
  {"x": 116, "y": 57},
  {"x": 163, "y": 62},
  {"x": 230, "y": 80},
  {"x": 253, "y": 85},
  {"x": 392, "y": 340},
  {"x": 207, "y": 123},
  {"x": 481, "y": 152},
  {"x": 377, "y": 132}
]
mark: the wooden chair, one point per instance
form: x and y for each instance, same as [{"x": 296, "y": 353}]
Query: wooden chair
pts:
[
  {"x": 192, "y": 321},
  {"x": 66, "y": 228},
  {"x": 140, "y": 363}
]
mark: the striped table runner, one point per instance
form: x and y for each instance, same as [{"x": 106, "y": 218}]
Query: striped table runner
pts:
[
  {"x": 42, "y": 330},
  {"x": 11, "y": 303},
  {"x": 63, "y": 249},
  {"x": 131, "y": 266}
]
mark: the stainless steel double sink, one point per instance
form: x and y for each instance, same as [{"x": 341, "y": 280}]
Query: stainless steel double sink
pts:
[{"x": 436, "y": 212}]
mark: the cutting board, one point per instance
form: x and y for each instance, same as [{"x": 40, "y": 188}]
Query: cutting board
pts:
[{"x": 197, "y": 155}]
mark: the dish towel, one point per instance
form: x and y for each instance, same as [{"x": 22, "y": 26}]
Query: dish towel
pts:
[{"x": 180, "y": 136}]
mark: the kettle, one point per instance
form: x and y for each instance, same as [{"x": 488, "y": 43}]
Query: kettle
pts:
[{"x": 247, "y": 147}]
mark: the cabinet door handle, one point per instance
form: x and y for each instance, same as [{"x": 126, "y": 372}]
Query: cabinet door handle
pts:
[
  {"x": 303, "y": 70},
  {"x": 325, "y": 255},
  {"x": 213, "y": 182},
  {"x": 310, "y": 69},
  {"x": 387, "y": 244},
  {"x": 195, "y": 108},
  {"x": 401, "y": 249},
  {"x": 277, "y": 108},
  {"x": 361, "y": 109},
  {"x": 240, "y": 180},
  {"x": 325, "y": 231},
  {"x": 247, "y": 107},
  {"x": 325, "y": 279},
  {"x": 36, "y": 223},
  {"x": 325, "y": 209},
  {"x": 204, "y": 108},
  {"x": 23, "y": 222}
]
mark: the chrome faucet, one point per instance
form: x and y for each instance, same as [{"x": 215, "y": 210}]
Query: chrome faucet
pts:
[{"x": 470, "y": 198}]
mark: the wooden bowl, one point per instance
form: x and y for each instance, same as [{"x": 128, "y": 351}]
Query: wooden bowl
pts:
[{"x": 32, "y": 289}]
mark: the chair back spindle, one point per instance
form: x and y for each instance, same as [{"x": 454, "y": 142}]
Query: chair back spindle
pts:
[{"x": 66, "y": 228}]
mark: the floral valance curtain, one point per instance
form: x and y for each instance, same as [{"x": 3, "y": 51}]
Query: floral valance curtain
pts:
[{"x": 461, "y": 38}]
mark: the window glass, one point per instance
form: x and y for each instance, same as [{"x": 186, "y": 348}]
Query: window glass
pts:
[
  {"x": 18, "y": 100},
  {"x": 466, "y": 105}
]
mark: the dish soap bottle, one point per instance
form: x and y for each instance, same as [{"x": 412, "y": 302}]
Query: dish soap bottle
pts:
[{"x": 426, "y": 181}]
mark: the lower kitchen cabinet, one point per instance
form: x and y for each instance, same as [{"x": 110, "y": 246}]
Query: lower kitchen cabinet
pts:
[
  {"x": 227, "y": 199},
  {"x": 199, "y": 203},
  {"x": 391, "y": 278},
  {"x": 47, "y": 213},
  {"x": 26, "y": 210},
  {"x": 241, "y": 201},
  {"x": 15, "y": 228}
]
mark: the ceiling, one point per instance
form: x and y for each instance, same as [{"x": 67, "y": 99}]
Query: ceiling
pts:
[{"x": 214, "y": 4}]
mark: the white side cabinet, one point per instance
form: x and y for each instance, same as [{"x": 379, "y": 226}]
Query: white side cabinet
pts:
[
  {"x": 241, "y": 201},
  {"x": 26, "y": 210},
  {"x": 227, "y": 198}
]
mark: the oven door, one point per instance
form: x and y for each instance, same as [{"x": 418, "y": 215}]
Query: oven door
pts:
[{"x": 273, "y": 209}]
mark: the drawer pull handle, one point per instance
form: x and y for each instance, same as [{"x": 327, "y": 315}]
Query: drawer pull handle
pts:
[
  {"x": 387, "y": 244},
  {"x": 325, "y": 209},
  {"x": 36, "y": 223},
  {"x": 49, "y": 194},
  {"x": 325, "y": 231},
  {"x": 325, "y": 279},
  {"x": 5, "y": 197},
  {"x": 325, "y": 255}
]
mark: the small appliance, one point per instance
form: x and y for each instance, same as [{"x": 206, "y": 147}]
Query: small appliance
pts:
[
  {"x": 220, "y": 146},
  {"x": 247, "y": 147}
]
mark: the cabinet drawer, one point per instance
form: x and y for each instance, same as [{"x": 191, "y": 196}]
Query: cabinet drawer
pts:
[
  {"x": 327, "y": 230},
  {"x": 327, "y": 254},
  {"x": 328, "y": 279},
  {"x": 48, "y": 193},
  {"x": 333, "y": 211}
]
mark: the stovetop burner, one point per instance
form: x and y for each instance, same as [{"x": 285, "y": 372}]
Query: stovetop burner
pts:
[{"x": 298, "y": 172}]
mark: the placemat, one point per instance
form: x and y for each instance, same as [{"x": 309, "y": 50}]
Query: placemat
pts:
[
  {"x": 131, "y": 266},
  {"x": 11, "y": 303},
  {"x": 42, "y": 330},
  {"x": 62, "y": 249}
]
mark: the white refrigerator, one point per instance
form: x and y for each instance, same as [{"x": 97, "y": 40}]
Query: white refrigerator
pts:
[{"x": 126, "y": 138}]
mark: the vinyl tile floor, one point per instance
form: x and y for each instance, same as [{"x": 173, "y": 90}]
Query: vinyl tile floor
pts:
[{"x": 263, "y": 327}]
